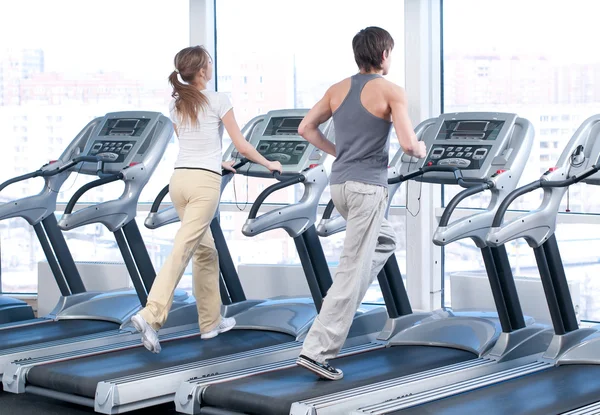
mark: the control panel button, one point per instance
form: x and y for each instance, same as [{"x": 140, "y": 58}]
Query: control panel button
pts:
[
  {"x": 108, "y": 156},
  {"x": 316, "y": 155},
  {"x": 460, "y": 154},
  {"x": 279, "y": 157},
  {"x": 480, "y": 154},
  {"x": 468, "y": 148},
  {"x": 437, "y": 153},
  {"x": 459, "y": 148},
  {"x": 468, "y": 154},
  {"x": 450, "y": 154},
  {"x": 450, "y": 148}
]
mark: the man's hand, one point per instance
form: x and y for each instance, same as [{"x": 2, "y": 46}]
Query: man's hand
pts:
[{"x": 421, "y": 151}]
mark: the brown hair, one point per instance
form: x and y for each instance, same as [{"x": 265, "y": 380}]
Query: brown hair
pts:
[
  {"x": 188, "y": 99},
  {"x": 369, "y": 45}
]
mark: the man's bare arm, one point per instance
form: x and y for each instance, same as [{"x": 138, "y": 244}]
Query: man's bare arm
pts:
[
  {"x": 402, "y": 124},
  {"x": 309, "y": 127}
]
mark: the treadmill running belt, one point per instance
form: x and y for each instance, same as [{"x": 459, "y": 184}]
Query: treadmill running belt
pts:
[
  {"x": 55, "y": 330},
  {"x": 273, "y": 393},
  {"x": 552, "y": 391},
  {"x": 81, "y": 376}
]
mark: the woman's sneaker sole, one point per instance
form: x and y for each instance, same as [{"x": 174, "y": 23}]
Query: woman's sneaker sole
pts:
[
  {"x": 141, "y": 328},
  {"x": 224, "y": 326},
  {"x": 319, "y": 370}
]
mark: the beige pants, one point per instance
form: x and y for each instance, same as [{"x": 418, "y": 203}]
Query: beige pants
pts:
[
  {"x": 195, "y": 196},
  {"x": 370, "y": 241}
]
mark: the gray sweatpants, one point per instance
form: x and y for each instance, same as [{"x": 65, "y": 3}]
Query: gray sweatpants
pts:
[{"x": 370, "y": 240}]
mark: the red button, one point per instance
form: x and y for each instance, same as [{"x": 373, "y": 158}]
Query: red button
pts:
[
  {"x": 500, "y": 171},
  {"x": 552, "y": 168},
  {"x": 133, "y": 164},
  {"x": 312, "y": 165},
  {"x": 430, "y": 163},
  {"x": 52, "y": 161}
]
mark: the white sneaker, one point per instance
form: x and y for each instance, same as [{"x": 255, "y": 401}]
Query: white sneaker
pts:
[
  {"x": 226, "y": 324},
  {"x": 149, "y": 335}
]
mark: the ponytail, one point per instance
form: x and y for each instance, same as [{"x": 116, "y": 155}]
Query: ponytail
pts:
[{"x": 189, "y": 101}]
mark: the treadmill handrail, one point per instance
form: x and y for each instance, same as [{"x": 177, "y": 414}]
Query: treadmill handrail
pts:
[
  {"x": 88, "y": 186},
  {"x": 328, "y": 210},
  {"x": 459, "y": 197},
  {"x": 163, "y": 193},
  {"x": 48, "y": 173},
  {"x": 450, "y": 169},
  {"x": 540, "y": 183},
  {"x": 297, "y": 178}
]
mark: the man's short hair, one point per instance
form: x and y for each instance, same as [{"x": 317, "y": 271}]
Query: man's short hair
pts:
[{"x": 369, "y": 45}]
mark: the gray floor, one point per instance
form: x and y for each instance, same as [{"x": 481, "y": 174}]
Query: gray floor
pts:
[{"x": 11, "y": 404}]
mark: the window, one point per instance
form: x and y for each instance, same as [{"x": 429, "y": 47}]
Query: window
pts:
[
  {"x": 563, "y": 89},
  {"x": 60, "y": 91},
  {"x": 289, "y": 77}
]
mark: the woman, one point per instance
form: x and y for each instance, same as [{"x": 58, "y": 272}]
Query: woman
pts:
[{"x": 198, "y": 116}]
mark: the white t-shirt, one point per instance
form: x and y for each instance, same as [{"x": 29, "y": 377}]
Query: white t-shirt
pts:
[{"x": 200, "y": 146}]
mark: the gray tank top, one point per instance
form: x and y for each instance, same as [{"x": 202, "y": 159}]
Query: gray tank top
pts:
[{"x": 361, "y": 139}]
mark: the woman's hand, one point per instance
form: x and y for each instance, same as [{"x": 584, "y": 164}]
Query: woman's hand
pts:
[
  {"x": 228, "y": 165},
  {"x": 274, "y": 166}
]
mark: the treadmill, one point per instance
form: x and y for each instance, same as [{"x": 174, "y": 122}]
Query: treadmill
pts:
[
  {"x": 124, "y": 146},
  {"x": 478, "y": 151},
  {"x": 566, "y": 379},
  {"x": 125, "y": 379},
  {"x": 182, "y": 320}
]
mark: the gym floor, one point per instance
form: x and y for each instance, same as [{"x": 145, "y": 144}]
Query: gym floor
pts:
[{"x": 12, "y": 404}]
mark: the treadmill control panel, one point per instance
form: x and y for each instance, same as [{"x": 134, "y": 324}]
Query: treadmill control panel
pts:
[
  {"x": 276, "y": 138},
  {"x": 286, "y": 152},
  {"x": 121, "y": 139},
  {"x": 111, "y": 151},
  {"x": 465, "y": 157},
  {"x": 478, "y": 143}
]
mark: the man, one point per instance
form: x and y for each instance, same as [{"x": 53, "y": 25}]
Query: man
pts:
[{"x": 363, "y": 108}]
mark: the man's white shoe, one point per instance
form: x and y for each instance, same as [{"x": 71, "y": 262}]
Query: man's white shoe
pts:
[
  {"x": 226, "y": 324},
  {"x": 149, "y": 335}
]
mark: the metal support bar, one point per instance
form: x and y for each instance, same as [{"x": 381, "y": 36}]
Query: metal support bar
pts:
[
  {"x": 397, "y": 288},
  {"x": 229, "y": 274},
  {"x": 309, "y": 271},
  {"x": 546, "y": 276},
  {"x": 318, "y": 260},
  {"x": 561, "y": 286},
  {"x": 509, "y": 289},
  {"x": 497, "y": 292},
  {"x": 63, "y": 254},
  {"x": 386, "y": 292},
  {"x": 140, "y": 253},
  {"x": 138, "y": 283},
  {"x": 60, "y": 278}
]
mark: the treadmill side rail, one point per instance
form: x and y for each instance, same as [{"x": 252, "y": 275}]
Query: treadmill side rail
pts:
[{"x": 511, "y": 369}]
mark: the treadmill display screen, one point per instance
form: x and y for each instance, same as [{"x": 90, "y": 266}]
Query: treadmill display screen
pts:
[
  {"x": 124, "y": 127},
  {"x": 283, "y": 126},
  {"x": 470, "y": 130},
  {"x": 287, "y": 152}
]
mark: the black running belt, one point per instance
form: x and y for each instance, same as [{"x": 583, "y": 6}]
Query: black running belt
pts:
[
  {"x": 552, "y": 391},
  {"x": 81, "y": 376},
  {"x": 50, "y": 331},
  {"x": 273, "y": 393}
]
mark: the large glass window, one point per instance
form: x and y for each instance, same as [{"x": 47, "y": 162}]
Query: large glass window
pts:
[
  {"x": 64, "y": 65},
  {"x": 273, "y": 55},
  {"x": 535, "y": 59}
]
